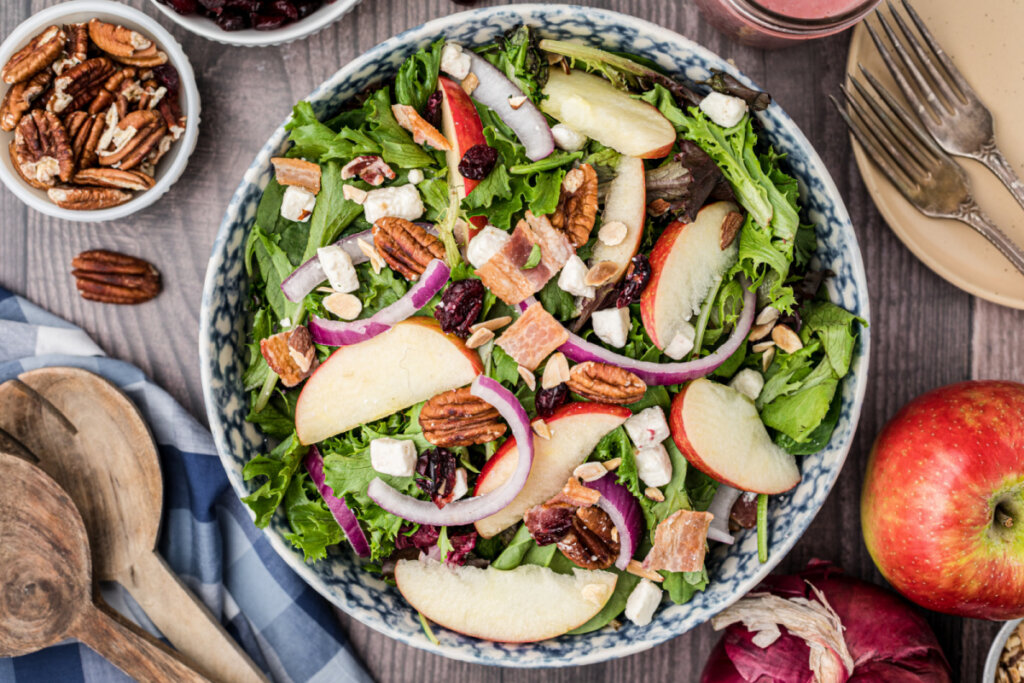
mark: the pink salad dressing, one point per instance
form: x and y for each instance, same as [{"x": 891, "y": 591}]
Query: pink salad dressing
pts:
[{"x": 810, "y": 9}]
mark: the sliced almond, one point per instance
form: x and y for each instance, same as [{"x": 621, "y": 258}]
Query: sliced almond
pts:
[
  {"x": 760, "y": 347},
  {"x": 767, "y": 358},
  {"x": 590, "y": 471},
  {"x": 555, "y": 372},
  {"x": 345, "y": 306},
  {"x": 469, "y": 83},
  {"x": 600, "y": 273},
  {"x": 494, "y": 324},
  {"x": 479, "y": 338},
  {"x": 325, "y": 290},
  {"x": 516, "y": 101},
  {"x": 528, "y": 377},
  {"x": 760, "y": 331},
  {"x": 353, "y": 194},
  {"x": 613, "y": 464},
  {"x": 612, "y": 233},
  {"x": 636, "y": 568},
  {"x": 654, "y": 494},
  {"x": 596, "y": 593},
  {"x": 541, "y": 429},
  {"x": 786, "y": 339},
  {"x": 370, "y": 251},
  {"x": 768, "y": 314}
]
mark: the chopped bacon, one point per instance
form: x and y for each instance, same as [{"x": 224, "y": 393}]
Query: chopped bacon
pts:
[
  {"x": 680, "y": 542},
  {"x": 531, "y": 338},
  {"x": 290, "y": 354},
  {"x": 503, "y": 273},
  {"x": 422, "y": 131}
]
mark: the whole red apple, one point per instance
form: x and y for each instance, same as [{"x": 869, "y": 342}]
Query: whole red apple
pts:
[{"x": 943, "y": 502}]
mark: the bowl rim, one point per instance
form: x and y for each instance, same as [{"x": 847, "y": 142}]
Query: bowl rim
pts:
[
  {"x": 180, "y": 151},
  {"x": 434, "y": 26},
  {"x": 314, "y": 23},
  {"x": 996, "y": 650}
]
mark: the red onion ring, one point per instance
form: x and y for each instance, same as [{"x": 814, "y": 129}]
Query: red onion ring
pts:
[
  {"x": 625, "y": 513},
  {"x": 306, "y": 277},
  {"x": 344, "y": 516},
  {"x": 527, "y": 122}
]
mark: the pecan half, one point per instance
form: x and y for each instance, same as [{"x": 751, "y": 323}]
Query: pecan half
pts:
[
  {"x": 86, "y": 140},
  {"x": 147, "y": 58},
  {"x": 114, "y": 177},
  {"x": 405, "y": 246},
  {"x": 297, "y": 172},
  {"x": 125, "y": 45},
  {"x": 131, "y": 135},
  {"x": 79, "y": 84},
  {"x": 40, "y": 52},
  {"x": 577, "y": 205},
  {"x": 290, "y": 354},
  {"x": 457, "y": 418},
  {"x": 78, "y": 41},
  {"x": 606, "y": 383},
  {"x": 87, "y": 198},
  {"x": 110, "y": 277},
  {"x": 593, "y": 541},
  {"x": 42, "y": 151},
  {"x": 19, "y": 97},
  {"x": 370, "y": 168}
]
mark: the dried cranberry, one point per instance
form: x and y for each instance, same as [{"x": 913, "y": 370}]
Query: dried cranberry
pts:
[
  {"x": 424, "y": 537},
  {"x": 460, "y": 306},
  {"x": 306, "y": 7},
  {"x": 637, "y": 275},
  {"x": 435, "y": 475},
  {"x": 167, "y": 76},
  {"x": 550, "y": 522},
  {"x": 550, "y": 400},
  {"x": 478, "y": 161},
  {"x": 432, "y": 109},
  {"x": 246, "y": 6},
  {"x": 213, "y": 6},
  {"x": 233, "y": 21},
  {"x": 285, "y": 7},
  {"x": 268, "y": 22},
  {"x": 462, "y": 545},
  {"x": 182, "y": 6}
]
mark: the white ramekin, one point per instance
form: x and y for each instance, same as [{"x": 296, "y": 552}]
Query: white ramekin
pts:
[{"x": 996, "y": 651}]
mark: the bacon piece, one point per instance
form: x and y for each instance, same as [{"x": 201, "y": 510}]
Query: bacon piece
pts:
[
  {"x": 503, "y": 273},
  {"x": 680, "y": 542},
  {"x": 533, "y": 337}
]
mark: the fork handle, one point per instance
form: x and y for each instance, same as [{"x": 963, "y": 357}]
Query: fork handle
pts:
[
  {"x": 990, "y": 155},
  {"x": 971, "y": 214}
]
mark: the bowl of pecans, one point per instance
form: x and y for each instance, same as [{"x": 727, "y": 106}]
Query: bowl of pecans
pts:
[
  {"x": 1005, "y": 663},
  {"x": 99, "y": 111}
]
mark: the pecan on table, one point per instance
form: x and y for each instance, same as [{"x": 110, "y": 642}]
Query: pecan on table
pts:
[
  {"x": 606, "y": 383},
  {"x": 405, "y": 246},
  {"x": 577, "y": 205},
  {"x": 78, "y": 85},
  {"x": 110, "y": 277},
  {"x": 457, "y": 418},
  {"x": 34, "y": 57},
  {"x": 41, "y": 150},
  {"x": 87, "y": 198},
  {"x": 19, "y": 98},
  {"x": 593, "y": 541},
  {"x": 125, "y": 45}
]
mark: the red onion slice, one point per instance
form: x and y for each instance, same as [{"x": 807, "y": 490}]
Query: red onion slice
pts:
[
  {"x": 306, "y": 277},
  {"x": 469, "y": 510},
  {"x": 340, "y": 333},
  {"x": 345, "y": 518},
  {"x": 625, "y": 513},
  {"x": 528, "y": 123},
  {"x": 721, "y": 508}
]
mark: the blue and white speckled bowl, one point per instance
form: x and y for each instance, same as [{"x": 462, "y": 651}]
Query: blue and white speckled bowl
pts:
[{"x": 734, "y": 570}]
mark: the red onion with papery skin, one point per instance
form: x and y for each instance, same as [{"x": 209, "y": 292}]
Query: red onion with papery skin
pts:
[
  {"x": 886, "y": 637},
  {"x": 345, "y": 518},
  {"x": 625, "y": 513}
]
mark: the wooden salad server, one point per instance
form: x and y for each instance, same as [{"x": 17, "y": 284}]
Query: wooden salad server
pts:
[
  {"x": 46, "y": 583},
  {"x": 92, "y": 440}
]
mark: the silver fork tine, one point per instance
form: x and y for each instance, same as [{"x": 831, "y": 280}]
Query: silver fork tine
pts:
[
  {"x": 885, "y": 135},
  {"x": 899, "y": 135},
  {"x": 881, "y": 157},
  {"x": 938, "y": 78},
  {"x": 967, "y": 92},
  {"x": 899, "y": 72},
  {"x": 906, "y": 117}
]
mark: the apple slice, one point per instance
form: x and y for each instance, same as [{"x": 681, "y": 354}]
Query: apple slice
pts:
[
  {"x": 520, "y": 605},
  {"x": 409, "y": 363},
  {"x": 591, "y": 105},
  {"x": 461, "y": 125},
  {"x": 627, "y": 203},
  {"x": 576, "y": 429},
  {"x": 719, "y": 431},
  {"x": 685, "y": 262}
]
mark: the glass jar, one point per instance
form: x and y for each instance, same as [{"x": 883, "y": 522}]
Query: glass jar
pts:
[{"x": 781, "y": 23}]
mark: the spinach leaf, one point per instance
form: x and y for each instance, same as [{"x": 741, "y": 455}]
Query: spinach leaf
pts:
[
  {"x": 682, "y": 585},
  {"x": 818, "y": 438},
  {"x": 513, "y": 554},
  {"x": 615, "y": 605},
  {"x": 557, "y": 301},
  {"x": 332, "y": 212}
]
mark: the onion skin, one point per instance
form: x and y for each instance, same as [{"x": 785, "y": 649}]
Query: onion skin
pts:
[{"x": 889, "y": 641}]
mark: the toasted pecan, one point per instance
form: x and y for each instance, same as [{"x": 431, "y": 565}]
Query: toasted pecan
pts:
[
  {"x": 576, "y": 211},
  {"x": 405, "y": 246},
  {"x": 19, "y": 98},
  {"x": 606, "y": 383},
  {"x": 110, "y": 277},
  {"x": 457, "y": 418},
  {"x": 38, "y": 54},
  {"x": 82, "y": 198}
]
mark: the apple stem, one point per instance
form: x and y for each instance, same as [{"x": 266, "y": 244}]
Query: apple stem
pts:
[{"x": 1004, "y": 519}]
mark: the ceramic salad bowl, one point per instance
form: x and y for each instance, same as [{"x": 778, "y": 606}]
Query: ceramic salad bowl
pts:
[{"x": 733, "y": 569}]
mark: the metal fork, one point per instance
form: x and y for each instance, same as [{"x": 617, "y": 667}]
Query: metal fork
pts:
[
  {"x": 944, "y": 101},
  {"x": 910, "y": 159}
]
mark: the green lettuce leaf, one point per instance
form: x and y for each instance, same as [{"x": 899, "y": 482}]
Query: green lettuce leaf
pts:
[
  {"x": 313, "y": 526},
  {"x": 834, "y": 327},
  {"x": 799, "y": 413},
  {"x": 276, "y": 471},
  {"x": 417, "y": 77}
]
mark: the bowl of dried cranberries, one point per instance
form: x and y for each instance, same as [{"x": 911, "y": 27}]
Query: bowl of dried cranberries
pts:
[{"x": 254, "y": 23}]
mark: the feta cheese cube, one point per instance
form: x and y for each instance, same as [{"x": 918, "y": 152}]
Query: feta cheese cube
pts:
[
  {"x": 571, "y": 279},
  {"x": 566, "y": 138},
  {"x": 725, "y": 110},
  {"x": 611, "y": 325},
  {"x": 682, "y": 342},
  {"x": 748, "y": 382},
  {"x": 337, "y": 265},
  {"x": 642, "y": 602},
  {"x": 648, "y": 427},
  {"x": 396, "y": 457},
  {"x": 454, "y": 61},
  {"x": 653, "y": 465},
  {"x": 461, "y": 487},
  {"x": 401, "y": 202},
  {"x": 415, "y": 176},
  {"x": 297, "y": 204},
  {"x": 486, "y": 244}
]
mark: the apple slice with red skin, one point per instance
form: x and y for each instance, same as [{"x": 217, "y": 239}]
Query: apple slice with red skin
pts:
[
  {"x": 685, "y": 261},
  {"x": 626, "y": 202},
  {"x": 719, "y": 431},
  {"x": 409, "y": 363},
  {"x": 521, "y": 605},
  {"x": 576, "y": 429},
  {"x": 461, "y": 124}
]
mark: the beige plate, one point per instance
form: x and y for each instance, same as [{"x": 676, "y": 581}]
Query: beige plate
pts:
[{"x": 984, "y": 40}]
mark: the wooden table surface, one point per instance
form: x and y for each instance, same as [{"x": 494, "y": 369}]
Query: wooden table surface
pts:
[{"x": 925, "y": 332}]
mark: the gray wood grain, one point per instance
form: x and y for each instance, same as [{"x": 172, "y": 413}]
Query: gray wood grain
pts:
[{"x": 926, "y": 333}]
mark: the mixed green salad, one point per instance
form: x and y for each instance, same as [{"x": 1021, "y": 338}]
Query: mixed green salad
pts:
[{"x": 540, "y": 250}]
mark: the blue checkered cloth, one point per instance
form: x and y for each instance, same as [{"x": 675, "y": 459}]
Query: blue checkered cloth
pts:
[{"x": 208, "y": 537}]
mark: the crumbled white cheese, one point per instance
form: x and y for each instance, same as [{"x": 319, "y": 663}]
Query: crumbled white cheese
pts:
[
  {"x": 286, "y": 323},
  {"x": 486, "y": 244},
  {"x": 653, "y": 465},
  {"x": 572, "y": 278},
  {"x": 461, "y": 487},
  {"x": 415, "y": 176},
  {"x": 297, "y": 204},
  {"x": 337, "y": 265},
  {"x": 566, "y": 138},
  {"x": 353, "y": 193},
  {"x": 748, "y": 382},
  {"x": 396, "y": 457},
  {"x": 642, "y": 602},
  {"x": 725, "y": 110},
  {"x": 647, "y": 427},
  {"x": 611, "y": 325},
  {"x": 401, "y": 202},
  {"x": 682, "y": 342},
  {"x": 454, "y": 61}
]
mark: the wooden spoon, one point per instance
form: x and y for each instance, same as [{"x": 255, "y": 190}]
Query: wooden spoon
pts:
[
  {"x": 46, "y": 583},
  {"x": 92, "y": 440}
]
